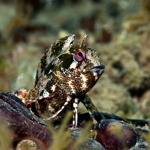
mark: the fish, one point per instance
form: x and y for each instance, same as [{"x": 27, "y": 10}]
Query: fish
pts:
[{"x": 66, "y": 72}]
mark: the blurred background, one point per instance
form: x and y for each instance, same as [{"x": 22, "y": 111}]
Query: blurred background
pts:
[{"x": 118, "y": 29}]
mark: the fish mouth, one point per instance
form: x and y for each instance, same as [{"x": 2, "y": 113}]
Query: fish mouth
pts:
[{"x": 98, "y": 70}]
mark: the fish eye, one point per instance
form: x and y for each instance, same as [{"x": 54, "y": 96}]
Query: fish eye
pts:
[{"x": 79, "y": 55}]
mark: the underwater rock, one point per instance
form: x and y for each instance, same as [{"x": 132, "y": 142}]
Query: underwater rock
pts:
[
  {"x": 113, "y": 134},
  {"x": 29, "y": 130},
  {"x": 23, "y": 123},
  {"x": 89, "y": 144},
  {"x": 145, "y": 104}
]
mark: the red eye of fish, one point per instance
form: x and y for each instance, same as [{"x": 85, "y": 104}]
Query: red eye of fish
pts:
[{"x": 79, "y": 55}]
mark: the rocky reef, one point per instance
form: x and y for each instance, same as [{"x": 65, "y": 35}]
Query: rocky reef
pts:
[
  {"x": 30, "y": 132},
  {"x": 118, "y": 30}
]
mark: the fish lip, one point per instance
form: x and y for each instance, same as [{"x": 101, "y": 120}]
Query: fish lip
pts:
[
  {"x": 98, "y": 69},
  {"x": 101, "y": 66}
]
